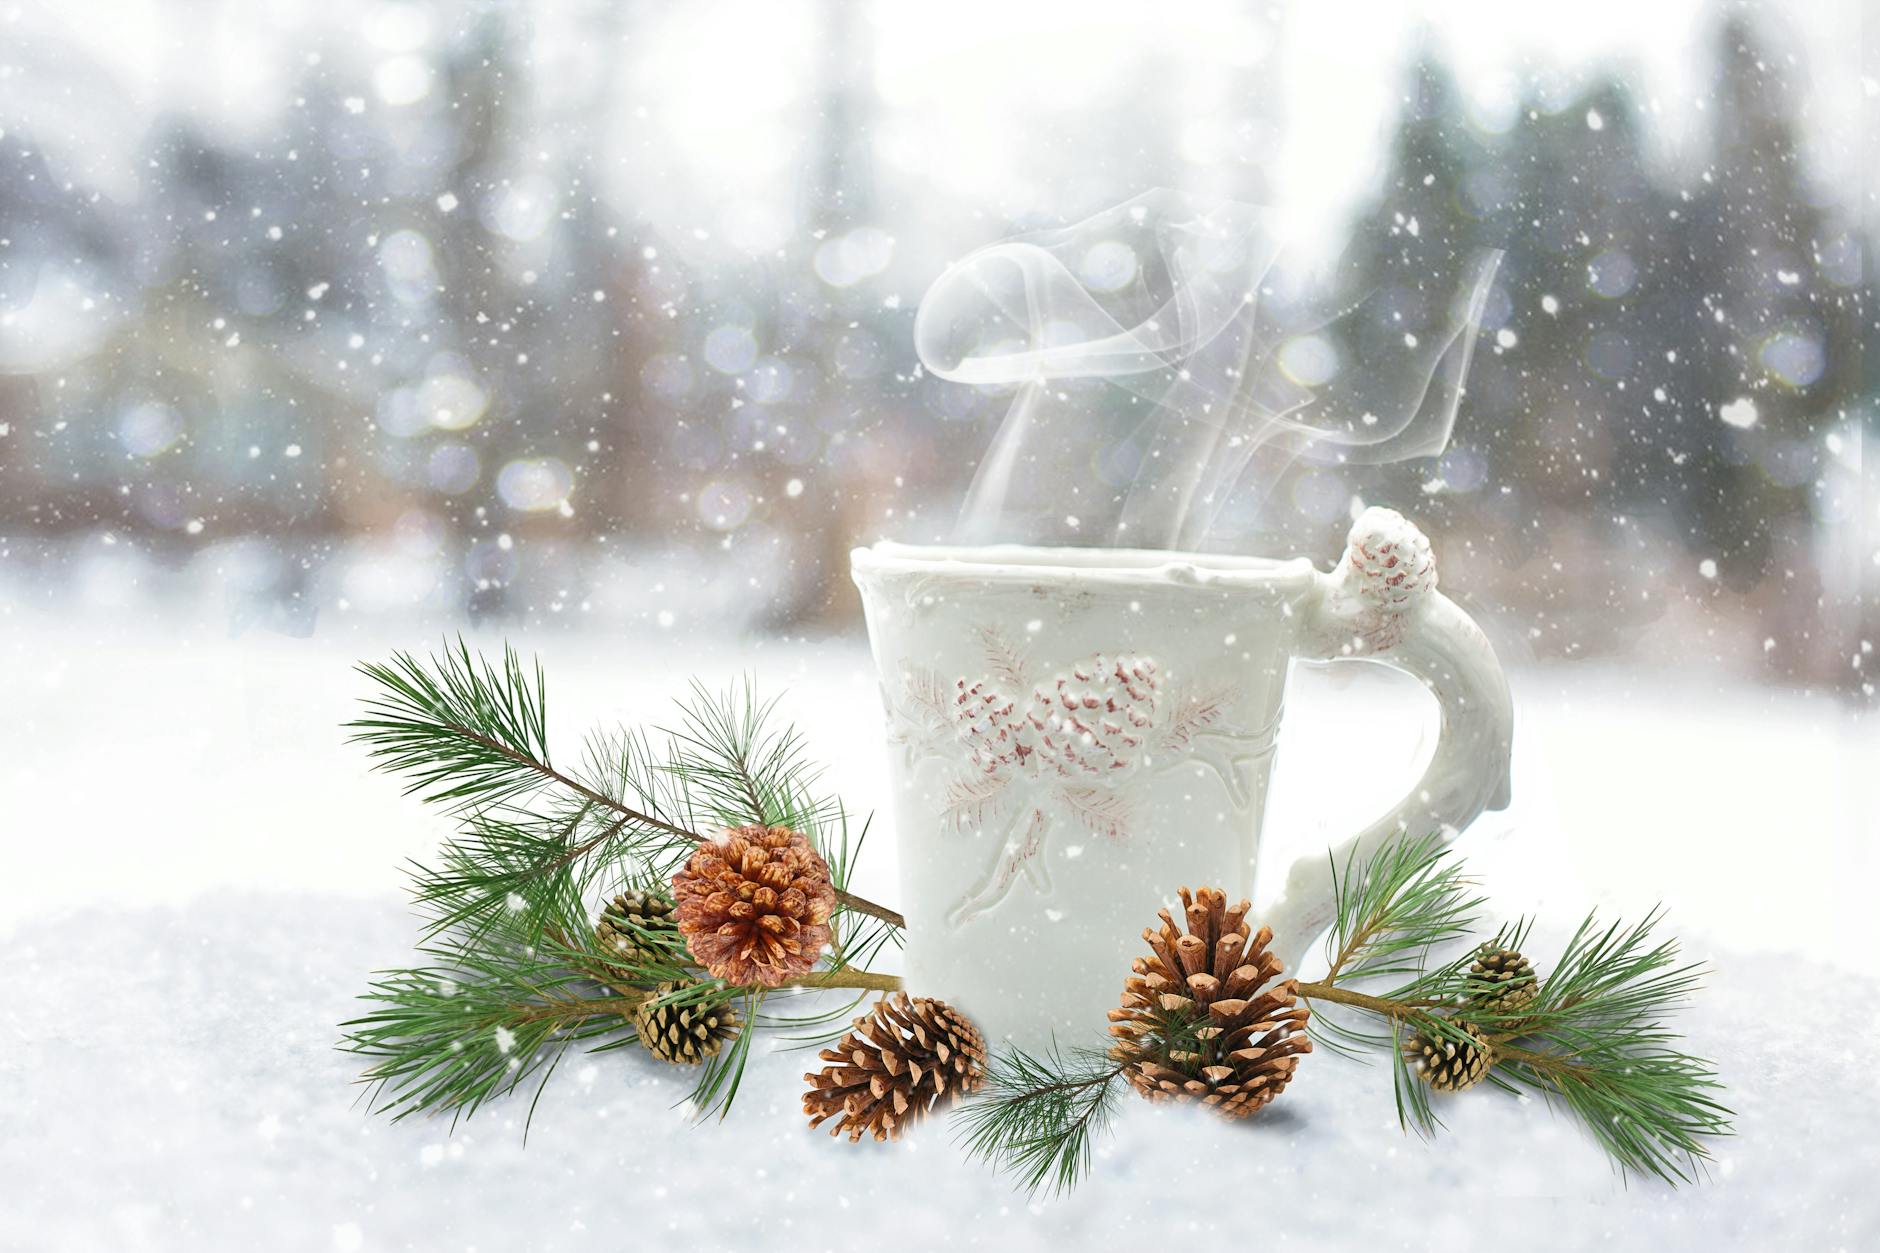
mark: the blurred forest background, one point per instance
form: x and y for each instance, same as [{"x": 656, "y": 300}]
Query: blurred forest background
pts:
[{"x": 445, "y": 332}]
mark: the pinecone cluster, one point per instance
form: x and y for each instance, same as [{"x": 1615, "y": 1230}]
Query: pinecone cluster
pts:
[
  {"x": 1089, "y": 720},
  {"x": 628, "y": 924},
  {"x": 1195, "y": 1024},
  {"x": 1502, "y": 981},
  {"x": 897, "y": 1063},
  {"x": 1449, "y": 1065},
  {"x": 685, "y": 1033},
  {"x": 753, "y": 905}
]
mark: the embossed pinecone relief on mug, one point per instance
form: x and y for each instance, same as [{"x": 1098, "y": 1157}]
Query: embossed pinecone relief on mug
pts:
[{"x": 1030, "y": 751}]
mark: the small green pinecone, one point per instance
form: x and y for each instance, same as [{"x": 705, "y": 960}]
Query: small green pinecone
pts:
[
  {"x": 627, "y": 920},
  {"x": 1447, "y": 1065},
  {"x": 686, "y": 1034},
  {"x": 1502, "y": 982}
]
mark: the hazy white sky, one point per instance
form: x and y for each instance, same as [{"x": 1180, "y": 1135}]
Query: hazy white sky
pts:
[{"x": 711, "y": 93}]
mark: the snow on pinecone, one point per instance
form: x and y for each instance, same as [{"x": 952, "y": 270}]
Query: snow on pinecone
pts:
[{"x": 1391, "y": 559}]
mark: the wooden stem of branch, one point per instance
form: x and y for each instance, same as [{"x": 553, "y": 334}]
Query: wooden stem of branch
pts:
[
  {"x": 1376, "y": 1004},
  {"x": 579, "y": 789},
  {"x": 861, "y": 980},
  {"x": 848, "y": 900},
  {"x": 629, "y": 998},
  {"x": 1544, "y": 1062}
]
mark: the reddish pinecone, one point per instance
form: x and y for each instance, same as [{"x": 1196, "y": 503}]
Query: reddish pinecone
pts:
[
  {"x": 898, "y": 1062},
  {"x": 754, "y": 905},
  {"x": 1194, "y": 1024}
]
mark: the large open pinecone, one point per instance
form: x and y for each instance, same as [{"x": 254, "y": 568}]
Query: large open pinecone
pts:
[
  {"x": 686, "y": 1033},
  {"x": 1195, "y": 1024},
  {"x": 1447, "y": 1065},
  {"x": 754, "y": 905},
  {"x": 626, "y": 923},
  {"x": 1503, "y": 981},
  {"x": 898, "y": 1061}
]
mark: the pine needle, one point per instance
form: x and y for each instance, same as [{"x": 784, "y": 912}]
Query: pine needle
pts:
[{"x": 1039, "y": 1117}]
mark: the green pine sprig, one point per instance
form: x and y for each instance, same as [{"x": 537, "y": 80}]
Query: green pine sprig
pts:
[
  {"x": 510, "y": 976},
  {"x": 1038, "y": 1118},
  {"x": 480, "y": 1017},
  {"x": 1593, "y": 1039},
  {"x": 466, "y": 733},
  {"x": 472, "y": 737}
]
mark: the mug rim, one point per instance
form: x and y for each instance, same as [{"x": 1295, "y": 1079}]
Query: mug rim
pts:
[{"x": 1035, "y": 561}]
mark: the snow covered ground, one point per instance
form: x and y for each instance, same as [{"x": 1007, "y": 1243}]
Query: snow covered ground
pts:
[{"x": 196, "y": 873}]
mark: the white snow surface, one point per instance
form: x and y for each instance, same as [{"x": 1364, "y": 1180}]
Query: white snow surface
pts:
[{"x": 199, "y": 874}]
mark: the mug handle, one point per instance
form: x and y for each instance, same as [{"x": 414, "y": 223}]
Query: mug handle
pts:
[{"x": 1380, "y": 603}]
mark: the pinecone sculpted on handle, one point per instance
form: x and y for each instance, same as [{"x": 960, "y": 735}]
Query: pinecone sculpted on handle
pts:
[
  {"x": 1387, "y": 571},
  {"x": 1381, "y": 603}
]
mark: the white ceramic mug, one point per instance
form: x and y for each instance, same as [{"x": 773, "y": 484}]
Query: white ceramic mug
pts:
[{"x": 1079, "y": 732}]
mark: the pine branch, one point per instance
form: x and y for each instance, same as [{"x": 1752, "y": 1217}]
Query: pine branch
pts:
[
  {"x": 970, "y": 800},
  {"x": 473, "y": 1026},
  {"x": 927, "y": 692},
  {"x": 1391, "y": 910},
  {"x": 470, "y": 735},
  {"x": 861, "y": 905},
  {"x": 856, "y": 941},
  {"x": 499, "y": 871},
  {"x": 529, "y": 979},
  {"x": 479, "y": 1020},
  {"x": 1649, "y": 1104},
  {"x": 738, "y": 767},
  {"x": 742, "y": 771},
  {"x": 512, "y": 977},
  {"x": 1591, "y": 1040},
  {"x": 1039, "y": 1117},
  {"x": 473, "y": 737}
]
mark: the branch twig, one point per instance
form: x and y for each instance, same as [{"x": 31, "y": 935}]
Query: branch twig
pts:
[
  {"x": 630, "y": 998},
  {"x": 848, "y": 900},
  {"x": 1376, "y": 1004}
]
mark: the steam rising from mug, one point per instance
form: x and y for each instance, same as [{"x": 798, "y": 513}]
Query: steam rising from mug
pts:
[{"x": 1166, "y": 359}]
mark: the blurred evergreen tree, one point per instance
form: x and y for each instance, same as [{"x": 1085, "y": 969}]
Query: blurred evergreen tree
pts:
[
  {"x": 1439, "y": 197},
  {"x": 1774, "y": 339},
  {"x": 849, "y": 401}
]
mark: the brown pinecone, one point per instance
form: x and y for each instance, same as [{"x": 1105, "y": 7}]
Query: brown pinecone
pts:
[
  {"x": 627, "y": 921},
  {"x": 898, "y": 1061},
  {"x": 1195, "y": 1025},
  {"x": 687, "y": 1033},
  {"x": 754, "y": 905},
  {"x": 1503, "y": 981},
  {"x": 1447, "y": 1065}
]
